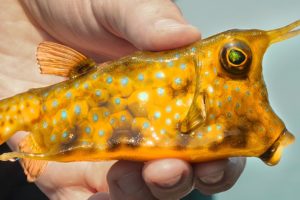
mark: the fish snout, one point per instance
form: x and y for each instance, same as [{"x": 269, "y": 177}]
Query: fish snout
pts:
[{"x": 273, "y": 155}]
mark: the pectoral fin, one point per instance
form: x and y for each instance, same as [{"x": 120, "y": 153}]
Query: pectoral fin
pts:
[
  {"x": 197, "y": 112},
  {"x": 61, "y": 60},
  {"x": 195, "y": 116}
]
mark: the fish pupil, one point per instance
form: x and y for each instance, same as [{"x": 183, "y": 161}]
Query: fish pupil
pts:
[{"x": 236, "y": 57}]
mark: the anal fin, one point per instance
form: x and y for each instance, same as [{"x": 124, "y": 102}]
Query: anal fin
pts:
[
  {"x": 61, "y": 60},
  {"x": 32, "y": 168}
]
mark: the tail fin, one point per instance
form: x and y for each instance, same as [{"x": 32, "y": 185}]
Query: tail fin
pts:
[{"x": 18, "y": 113}]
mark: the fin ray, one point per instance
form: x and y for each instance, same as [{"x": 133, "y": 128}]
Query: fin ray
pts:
[
  {"x": 61, "y": 60},
  {"x": 197, "y": 112},
  {"x": 32, "y": 168}
]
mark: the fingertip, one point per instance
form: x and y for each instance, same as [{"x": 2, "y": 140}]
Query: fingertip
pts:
[
  {"x": 168, "y": 178},
  {"x": 168, "y": 34},
  {"x": 218, "y": 176},
  {"x": 126, "y": 182},
  {"x": 155, "y": 25}
]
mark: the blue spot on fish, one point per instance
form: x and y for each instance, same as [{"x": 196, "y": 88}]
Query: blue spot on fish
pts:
[
  {"x": 229, "y": 98},
  {"x": 65, "y": 134},
  {"x": 45, "y": 124},
  {"x": 95, "y": 76},
  {"x": 179, "y": 102},
  {"x": 123, "y": 118},
  {"x": 219, "y": 104},
  {"x": 199, "y": 135},
  {"x": 168, "y": 121},
  {"x": 52, "y": 138},
  {"x": 88, "y": 130},
  {"x": 98, "y": 93},
  {"x": 209, "y": 128},
  {"x": 106, "y": 113},
  {"x": 219, "y": 127},
  {"x": 178, "y": 81},
  {"x": 160, "y": 75},
  {"x": 95, "y": 117},
  {"x": 146, "y": 125},
  {"x": 143, "y": 96},
  {"x": 160, "y": 91},
  {"x": 170, "y": 63},
  {"x": 177, "y": 116},
  {"x": 77, "y": 109},
  {"x": 109, "y": 80},
  {"x": 183, "y": 66},
  {"x": 215, "y": 70},
  {"x": 101, "y": 132},
  {"x": 68, "y": 95},
  {"x": 163, "y": 131},
  {"x": 168, "y": 108},
  {"x": 54, "y": 103},
  {"x": 117, "y": 101},
  {"x": 157, "y": 115},
  {"x": 64, "y": 114},
  {"x": 124, "y": 81},
  {"x": 141, "y": 77},
  {"x": 193, "y": 49},
  {"x": 112, "y": 121},
  {"x": 86, "y": 86}
]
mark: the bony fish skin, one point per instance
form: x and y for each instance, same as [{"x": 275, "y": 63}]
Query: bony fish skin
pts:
[{"x": 202, "y": 102}]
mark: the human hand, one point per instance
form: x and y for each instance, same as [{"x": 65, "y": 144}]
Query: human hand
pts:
[{"x": 105, "y": 30}]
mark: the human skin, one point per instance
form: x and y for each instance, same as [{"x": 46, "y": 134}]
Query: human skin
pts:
[{"x": 104, "y": 30}]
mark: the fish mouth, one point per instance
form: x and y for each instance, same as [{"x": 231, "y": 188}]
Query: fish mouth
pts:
[
  {"x": 284, "y": 33},
  {"x": 273, "y": 155}
]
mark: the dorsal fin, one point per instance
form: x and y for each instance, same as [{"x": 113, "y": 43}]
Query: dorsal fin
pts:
[
  {"x": 61, "y": 60},
  {"x": 32, "y": 168}
]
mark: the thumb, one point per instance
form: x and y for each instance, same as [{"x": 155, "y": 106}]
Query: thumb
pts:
[
  {"x": 151, "y": 25},
  {"x": 113, "y": 28}
]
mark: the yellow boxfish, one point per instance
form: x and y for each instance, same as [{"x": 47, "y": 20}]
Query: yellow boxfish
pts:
[{"x": 202, "y": 102}]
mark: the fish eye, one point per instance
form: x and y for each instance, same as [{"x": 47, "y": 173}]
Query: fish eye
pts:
[{"x": 236, "y": 58}]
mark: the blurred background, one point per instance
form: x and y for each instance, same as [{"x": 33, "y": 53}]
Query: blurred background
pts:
[{"x": 282, "y": 76}]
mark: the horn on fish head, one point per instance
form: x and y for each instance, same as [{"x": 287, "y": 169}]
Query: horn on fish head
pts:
[{"x": 236, "y": 95}]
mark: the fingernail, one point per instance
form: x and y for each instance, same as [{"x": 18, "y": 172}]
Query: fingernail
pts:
[
  {"x": 168, "y": 24},
  {"x": 130, "y": 183},
  {"x": 213, "y": 178},
  {"x": 171, "y": 182}
]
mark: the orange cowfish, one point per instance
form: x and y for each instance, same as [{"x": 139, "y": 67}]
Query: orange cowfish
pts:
[{"x": 201, "y": 102}]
